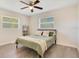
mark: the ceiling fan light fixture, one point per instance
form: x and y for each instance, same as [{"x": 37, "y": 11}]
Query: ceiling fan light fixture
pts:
[
  {"x": 30, "y": 7},
  {"x": 33, "y": 0}
]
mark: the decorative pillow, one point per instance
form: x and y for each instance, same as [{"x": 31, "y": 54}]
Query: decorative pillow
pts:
[
  {"x": 46, "y": 33},
  {"x": 51, "y": 33},
  {"x": 41, "y": 33}
]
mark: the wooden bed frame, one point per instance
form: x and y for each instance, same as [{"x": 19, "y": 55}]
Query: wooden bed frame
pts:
[{"x": 43, "y": 30}]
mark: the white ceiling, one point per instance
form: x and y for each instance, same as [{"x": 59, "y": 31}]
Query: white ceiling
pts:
[{"x": 15, "y": 5}]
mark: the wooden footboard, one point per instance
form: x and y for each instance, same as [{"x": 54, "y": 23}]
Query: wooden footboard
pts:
[{"x": 16, "y": 44}]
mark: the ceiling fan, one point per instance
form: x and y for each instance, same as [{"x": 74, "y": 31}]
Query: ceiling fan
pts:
[{"x": 31, "y": 5}]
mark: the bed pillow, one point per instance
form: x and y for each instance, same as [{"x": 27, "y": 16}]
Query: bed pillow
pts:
[
  {"x": 46, "y": 33},
  {"x": 38, "y": 33}
]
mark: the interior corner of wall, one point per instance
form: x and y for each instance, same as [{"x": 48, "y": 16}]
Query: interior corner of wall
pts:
[{"x": 78, "y": 49}]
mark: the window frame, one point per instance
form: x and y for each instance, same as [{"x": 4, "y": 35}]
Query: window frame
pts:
[
  {"x": 15, "y": 23},
  {"x": 46, "y": 22}
]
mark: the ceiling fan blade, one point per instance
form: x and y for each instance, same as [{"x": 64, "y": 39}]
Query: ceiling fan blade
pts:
[
  {"x": 32, "y": 10},
  {"x": 24, "y": 7},
  {"x": 38, "y": 7},
  {"x": 37, "y": 1},
  {"x": 24, "y": 2}
]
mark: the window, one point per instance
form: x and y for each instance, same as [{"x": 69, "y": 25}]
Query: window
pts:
[
  {"x": 46, "y": 23},
  {"x": 9, "y": 22}
]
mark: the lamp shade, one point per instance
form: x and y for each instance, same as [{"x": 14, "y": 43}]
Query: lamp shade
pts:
[{"x": 24, "y": 27}]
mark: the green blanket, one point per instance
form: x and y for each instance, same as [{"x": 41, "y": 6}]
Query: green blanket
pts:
[{"x": 36, "y": 46}]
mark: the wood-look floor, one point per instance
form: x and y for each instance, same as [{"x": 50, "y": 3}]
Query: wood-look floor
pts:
[{"x": 56, "y": 51}]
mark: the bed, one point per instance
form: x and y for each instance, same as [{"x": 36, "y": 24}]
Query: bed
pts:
[{"x": 36, "y": 42}]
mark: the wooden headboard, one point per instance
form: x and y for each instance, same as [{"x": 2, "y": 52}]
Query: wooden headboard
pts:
[{"x": 50, "y": 30}]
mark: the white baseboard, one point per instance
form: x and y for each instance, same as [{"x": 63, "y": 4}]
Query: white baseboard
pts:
[
  {"x": 67, "y": 45},
  {"x": 8, "y": 42}
]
